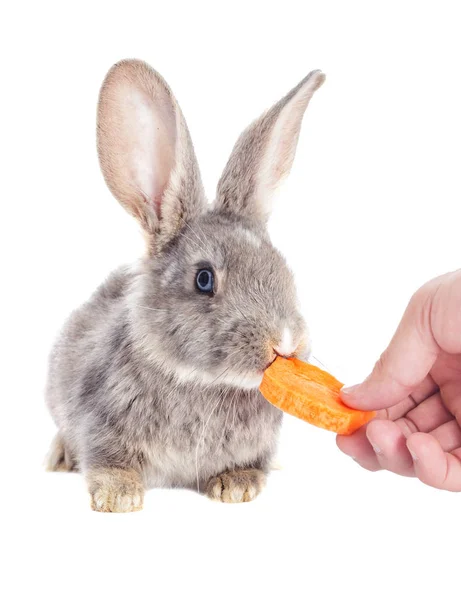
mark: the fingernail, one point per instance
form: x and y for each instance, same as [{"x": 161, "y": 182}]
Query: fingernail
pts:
[
  {"x": 413, "y": 455},
  {"x": 377, "y": 449},
  {"x": 349, "y": 390}
]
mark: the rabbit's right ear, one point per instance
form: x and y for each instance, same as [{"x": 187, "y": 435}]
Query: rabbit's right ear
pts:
[
  {"x": 264, "y": 153},
  {"x": 145, "y": 151}
]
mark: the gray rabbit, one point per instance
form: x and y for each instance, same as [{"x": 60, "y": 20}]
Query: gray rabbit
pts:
[{"x": 154, "y": 380}]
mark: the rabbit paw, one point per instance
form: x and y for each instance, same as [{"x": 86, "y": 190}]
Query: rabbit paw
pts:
[
  {"x": 236, "y": 486},
  {"x": 115, "y": 490},
  {"x": 59, "y": 458}
]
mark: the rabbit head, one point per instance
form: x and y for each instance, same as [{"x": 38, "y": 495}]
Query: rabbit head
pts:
[{"x": 214, "y": 301}]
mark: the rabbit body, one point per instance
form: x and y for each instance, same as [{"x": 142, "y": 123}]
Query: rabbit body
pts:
[
  {"x": 115, "y": 406},
  {"x": 154, "y": 381}
]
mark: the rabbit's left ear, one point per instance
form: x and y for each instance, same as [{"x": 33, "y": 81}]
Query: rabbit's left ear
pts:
[
  {"x": 264, "y": 153},
  {"x": 146, "y": 153}
]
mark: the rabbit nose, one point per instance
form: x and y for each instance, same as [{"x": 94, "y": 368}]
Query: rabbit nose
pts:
[{"x": 287, "y": 345}]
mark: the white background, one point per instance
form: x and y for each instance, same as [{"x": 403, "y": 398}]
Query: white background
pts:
[{"x": 370, "y": 212}]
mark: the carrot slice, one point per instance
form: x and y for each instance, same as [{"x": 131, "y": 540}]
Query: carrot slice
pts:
[{"x": 307, "y": 392}]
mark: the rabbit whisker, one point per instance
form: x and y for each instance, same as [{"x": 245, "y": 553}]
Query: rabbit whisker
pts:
[
  {"x": 240, "y": 311},
  {"x": 228, "y": 412},
  {"x": 234, "y": 411},
  {"x": 234, "y": 404},
  {"x": 319, "y": 361},
  {"x": 202, "y": 438},
  {"x": 202, "y": 435},
  {"x": 200, "y": 241},
  {"x": 221, "y": 438},
  {"x": 198, "y": 236},
  {"x": 149, "y": 308},
  {"x": 222, "y": 321},
  {"x": 222, "y": 374},
  {"x": 236, "y": 351}
]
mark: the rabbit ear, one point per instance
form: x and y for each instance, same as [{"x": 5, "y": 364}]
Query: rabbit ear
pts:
[
  {"x": 264, "y": 153},
  {"x": 145, "y": 151}
]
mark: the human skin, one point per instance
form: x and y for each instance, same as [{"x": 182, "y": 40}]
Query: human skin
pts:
[{"x": 416, "y": 388}]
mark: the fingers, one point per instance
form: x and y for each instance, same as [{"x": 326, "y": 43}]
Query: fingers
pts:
[
  {"x": 450, "y": 387},
  {"x": 358, "y": 445},
  {"x": 426, "y": 416},
  {"x": 426, "y": 389},
  {"x": 389, "y": 445},
  {"x": 448, "y": 435},
  {"x": 432, "y": 465},
  {"x": 446, "y": 316},
  {"x": 382, "y": 445},
  {"x": 426, "y": 442},
  {"x": 379, "y": 445},
  {"x": 398, "y": 410},
  {"x": 406, "y": 362},
  {"x": 359, "y": 448},
  {"x": 431, "y": 322}
]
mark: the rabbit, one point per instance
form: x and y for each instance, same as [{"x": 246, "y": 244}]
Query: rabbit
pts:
[{"x": 153, "y": 382}]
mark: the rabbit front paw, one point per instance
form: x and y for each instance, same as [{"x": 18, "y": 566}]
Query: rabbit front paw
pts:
[
  {"x": 115, "y": 490},
  {"x": 236, "y": 486}
]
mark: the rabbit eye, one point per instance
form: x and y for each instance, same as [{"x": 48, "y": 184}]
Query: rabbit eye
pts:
[{"x": 205, "y": 281}]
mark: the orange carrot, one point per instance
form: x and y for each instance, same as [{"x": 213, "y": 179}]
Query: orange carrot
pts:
[{"x": 307, "y": 392}]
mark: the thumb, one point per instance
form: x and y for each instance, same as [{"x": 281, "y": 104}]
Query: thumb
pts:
[{"x": 406, "y": 361}]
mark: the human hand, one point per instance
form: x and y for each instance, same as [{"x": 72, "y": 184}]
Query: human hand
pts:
[{"x": 417, "y": 384}]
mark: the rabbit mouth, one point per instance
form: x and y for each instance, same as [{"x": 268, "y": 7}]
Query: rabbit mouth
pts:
[{"x": 270, "y": 362}]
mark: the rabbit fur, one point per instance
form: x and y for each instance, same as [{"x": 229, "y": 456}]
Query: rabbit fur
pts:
[{"x": 151, "y": 382}]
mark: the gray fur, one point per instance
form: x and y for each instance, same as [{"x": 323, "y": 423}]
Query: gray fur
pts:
[
  {"x": 240, "y": 188},
  {"x": 153, "y": 376}
]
